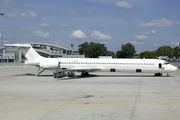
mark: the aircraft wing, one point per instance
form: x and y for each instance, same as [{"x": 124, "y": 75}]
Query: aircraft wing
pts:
[{"x": 85, "y": 69}]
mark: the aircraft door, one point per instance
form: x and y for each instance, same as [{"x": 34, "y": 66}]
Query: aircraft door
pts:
[
  {"x": 59, "y": 63},
  {"x": 161, "y": 66}
]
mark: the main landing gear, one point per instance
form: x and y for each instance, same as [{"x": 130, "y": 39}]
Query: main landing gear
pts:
[
  {"x": 158, "y": 74},
  {"x": 84, "y": 74}
]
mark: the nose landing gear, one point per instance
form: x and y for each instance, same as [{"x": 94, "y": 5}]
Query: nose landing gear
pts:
[{"x": 168, "y": 75}]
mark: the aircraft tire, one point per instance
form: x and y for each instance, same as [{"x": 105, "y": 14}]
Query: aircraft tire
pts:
[
  {"x": 167, "y": 75},
  {"x": 158, "y": 74},
  {"x": 82, "y": 74},
  {"x": 86, "y": 74}
]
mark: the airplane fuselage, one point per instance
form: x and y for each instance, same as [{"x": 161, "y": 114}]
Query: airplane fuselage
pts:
[
  {"x": 86, "y": 65},
  {"x": 105, "y": 65}
]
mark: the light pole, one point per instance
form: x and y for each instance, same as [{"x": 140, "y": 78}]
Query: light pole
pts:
[{"x": 2, "y": 36}]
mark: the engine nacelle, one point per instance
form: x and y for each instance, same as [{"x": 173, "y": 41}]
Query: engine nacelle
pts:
[{"x": 49, "y": 65}]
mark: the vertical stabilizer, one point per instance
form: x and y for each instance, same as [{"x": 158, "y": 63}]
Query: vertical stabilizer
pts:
[{"x": 27, "y": 50}]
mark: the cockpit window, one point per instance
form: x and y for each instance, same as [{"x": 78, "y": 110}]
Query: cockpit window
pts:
[{"x": 166, "y": 63}]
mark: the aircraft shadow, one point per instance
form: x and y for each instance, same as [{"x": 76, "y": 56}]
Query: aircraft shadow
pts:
[
  {"x": 28, "y": 74},
  {"x": 124, "y": 76},
  {"x": 90, "y": 76},
  {"x": 96, "y": 76}
]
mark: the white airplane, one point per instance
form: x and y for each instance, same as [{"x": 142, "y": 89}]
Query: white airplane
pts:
[{"x": 86, "y": 65}]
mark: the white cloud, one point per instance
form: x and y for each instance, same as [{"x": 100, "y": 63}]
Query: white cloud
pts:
[
  {"x": 73, "y": 12},
  {"x": 5, "y": 2},
  {"x": 175, "y": 43},
  {"x": 78, "y": 34},
  {"x": 157, "y": 45},
  {"x": 140, "y": 37},
  {"x": 11, "y": 16},
  {"x": 5, "y": 41},
  {"x": 88, "y": 12},
  {"x": 148, "y": 33},
  {"x": 153, "y": 32},
  {"x": 123, "y": 4},
  {"x": 159, "y": 23},
  {"x": 136, "y": 42},
  {"x": 176, "y": 33},
  {"x": 173, "y": 17},
  {"x": 64, "y": 25},
  {"x": 40, "y": 34},
  {"x": 60, "y": 42},
  {"x": 3, "y": 36},
  {"x": 96, "y": 35},
  {"x": 9, "y": 35},
  {"x": 46, "y": 25},
  {"x": 69, "y": 10},
  {"x": 30, "y": 15}
]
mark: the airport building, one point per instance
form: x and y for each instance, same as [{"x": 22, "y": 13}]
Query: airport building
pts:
[{"x": 14, "y": 54}]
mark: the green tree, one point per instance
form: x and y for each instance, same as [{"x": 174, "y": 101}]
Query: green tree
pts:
[
  {"x": 119, "y": 54},
  {"x": 164, "y": 51},
  {"x": 127, "y": 51},
  {"x": 83, "y": 48},
  {"x": 176, "y": 52},
  {"x": 109, "y": 53},
  {"x": 148, "y": 54},
  {"x": 92, "y": 50}
]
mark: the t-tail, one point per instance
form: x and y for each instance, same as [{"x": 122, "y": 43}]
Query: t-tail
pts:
[{"x": 33, "y": 58}]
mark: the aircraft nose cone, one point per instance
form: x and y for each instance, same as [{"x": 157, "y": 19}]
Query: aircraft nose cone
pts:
[
  {"x": 175, "y": 68},
  {"x": 171, "y": 68}
]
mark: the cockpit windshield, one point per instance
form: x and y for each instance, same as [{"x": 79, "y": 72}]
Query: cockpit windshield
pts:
[{"x": 166, "y": 62}]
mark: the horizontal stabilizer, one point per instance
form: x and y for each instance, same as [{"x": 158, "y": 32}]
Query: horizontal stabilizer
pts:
[{"x": 19, "y": 45}]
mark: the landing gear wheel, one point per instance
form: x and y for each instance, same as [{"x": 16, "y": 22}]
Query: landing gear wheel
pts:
[
  {"x": 167, "y": 75},
  {"x": 82, "y": 74},
  {"x": 158, "y": 74},
  {"x": 86, "y": 74}
]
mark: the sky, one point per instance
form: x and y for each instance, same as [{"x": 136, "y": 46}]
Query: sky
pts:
[{"x": 147, "y": 24}]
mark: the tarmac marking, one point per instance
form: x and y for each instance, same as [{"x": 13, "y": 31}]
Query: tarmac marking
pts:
[
  {"x": 137, "y": 96},
  {"x": 77, "y": 97}
]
